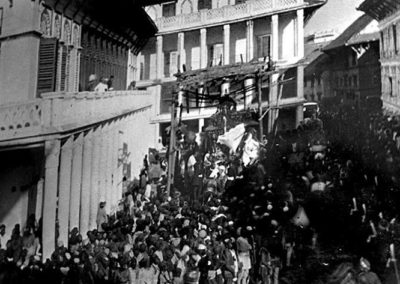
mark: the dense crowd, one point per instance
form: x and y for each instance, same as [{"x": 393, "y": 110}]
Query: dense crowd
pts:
[{"x": 319, "y": 205}]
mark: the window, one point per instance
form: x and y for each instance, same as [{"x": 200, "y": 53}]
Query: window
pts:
[
  {"x": 216, "y": 54},
  {"x": 319, "y": 81},
  {"x": 195, "y": 62},
  {"x": 240, "y": 50},
  {"x": 390, "y": 86},
  {"x": 382, "y": 44},
  {"x": 141, "y": 74},
  {"x": 168, "y": 10},
  {"x": 355, "y": 83},
  {"x": 47, "y": 65},
  {"x": 263, "y": 46},
  {"x": 173, "y": 61},
  {"x": 312, "y": 83},
  {"x": 204, "y": 4}
]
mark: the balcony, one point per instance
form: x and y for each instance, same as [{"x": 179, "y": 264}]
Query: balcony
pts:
[
  {"x": 250, "y": 9},
  {"x": 58, "y": 112}
]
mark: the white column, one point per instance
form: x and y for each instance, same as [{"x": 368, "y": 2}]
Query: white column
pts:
[
  {"x": 86, "y": 182},
  {"x": 275, "y": 37},
  {"x": 250, "y": 40},
  {"x": 114, "y": 164},
  {"x": 299, "y": 114},
  {"x": 137, "y": 78},
  {"x": 160, "y": 57},
  {"x": 201, "y": 124},
  {"x": 227, "y": 36},
  {"x": 300, "y": 33},
  {"x": 181, "y": 50},
  {"x": 52, "y": 155},
  {"x": 65, "y": 190},
  {"x": 95, "y": 194},
  {"x": 102, "y": 164},
  {"x": 119, "y": 176},
  {"x": 108, "y": 169},
  {"x": 300, "y": 82},
  {"x": 76, "y": 179},
  {"x": 203, "y": 48}
]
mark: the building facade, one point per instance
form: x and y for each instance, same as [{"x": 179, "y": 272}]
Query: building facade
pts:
[
  {"x": 353, "y": 63},
  {"x": 387, "y": 12},
  {"x": 200, "y": 34},
  {"x": 68, "y": 150}
]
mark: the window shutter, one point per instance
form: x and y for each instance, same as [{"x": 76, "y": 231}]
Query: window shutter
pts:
[
  {"x": 64, "y": 68},
  {"x": 47, "y": 65}
]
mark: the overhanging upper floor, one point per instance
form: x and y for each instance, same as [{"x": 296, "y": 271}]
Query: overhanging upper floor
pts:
[{"x": 57, "y": 113}]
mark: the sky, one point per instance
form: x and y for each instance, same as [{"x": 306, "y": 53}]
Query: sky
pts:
[{"x": 335, "y": 15}]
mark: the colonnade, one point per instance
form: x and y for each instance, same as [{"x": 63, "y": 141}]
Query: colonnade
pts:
[{"x": 87, "y": 167}]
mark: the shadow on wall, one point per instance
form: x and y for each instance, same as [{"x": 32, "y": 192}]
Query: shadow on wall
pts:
[{"x": 19, "y": 172}]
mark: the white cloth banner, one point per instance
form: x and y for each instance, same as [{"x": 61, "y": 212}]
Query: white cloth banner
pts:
[{"x": 233, "y": 137}]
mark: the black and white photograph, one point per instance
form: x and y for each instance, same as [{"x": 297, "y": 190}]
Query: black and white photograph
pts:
[{"x": 199, "y": 141}]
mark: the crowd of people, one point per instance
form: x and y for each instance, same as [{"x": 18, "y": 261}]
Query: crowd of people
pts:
[{"x": 319, "y": 204}]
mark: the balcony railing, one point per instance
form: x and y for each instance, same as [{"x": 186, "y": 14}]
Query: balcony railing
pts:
[
  {"x": 56, "y": 112},
  {"x": 250, "y": 9}
]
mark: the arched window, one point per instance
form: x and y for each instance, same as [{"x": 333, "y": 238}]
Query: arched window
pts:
[
  {"x": 67, "y": 32},
  {"x": 76, "y": 36},
  {"x": 186, "y": 7},
  {"x": 45, "y": 23},
  {"x": 57, "y": 26}
]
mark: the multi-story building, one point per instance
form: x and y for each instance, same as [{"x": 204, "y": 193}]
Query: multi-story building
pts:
[
  {"x": 63, "y": 151},
  {"x": 315, "y": 60},
  {"x": 204, "y": 33},
  {"x": 387, "y": 12},
  {"x": 353, "y": 66}
]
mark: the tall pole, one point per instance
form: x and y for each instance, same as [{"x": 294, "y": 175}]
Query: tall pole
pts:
[
  {"x": 260, "y": 112},
  {"x": 175, "y": 121},
  {"x": 171, "y": 152}
]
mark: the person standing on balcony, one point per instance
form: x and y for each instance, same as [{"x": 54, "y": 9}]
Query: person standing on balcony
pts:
[
  {"x": 92, "y": 83},
  {"x": 110, "y": 83},
  {"x": 102, "y": 85}
]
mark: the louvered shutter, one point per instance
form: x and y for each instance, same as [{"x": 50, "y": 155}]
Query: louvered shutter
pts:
[
  {"x": 64, "y": 66},
  {"x": 47, "y": 65}
]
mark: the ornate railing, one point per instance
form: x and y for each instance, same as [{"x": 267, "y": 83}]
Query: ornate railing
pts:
[
  {"x": 251, "y": 8},
  {"x": 56, "y": 112}
]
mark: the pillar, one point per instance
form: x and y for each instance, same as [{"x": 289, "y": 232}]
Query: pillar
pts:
[
  {"x": 65, "y": 189},
  {"x": 108, "y": 168},
  {"x": 250, "y": 40},
  {"x": 94, "y": 180},
  {"x": 299, "y": 114},
  {"x": 160, "y": 57},
  {"x": 52, "y": 154},
  {"x": 181, "y": 50},
  {"x": 227, "y": 37},
  {"x": 300, "y": 33},
  {"x": 203, "y": 48},
  {"x": 201, "y": 124},
  {"x": 119, "y": 175},
  {"x": 275, "y": 37},
  {"x": 300, "y": 82},
  {"x": 86, "y": 183},
  {"x": 137, "y": 74},
  {"x": 114, "y": 165},
  {"x": 76, "y": 183}
]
